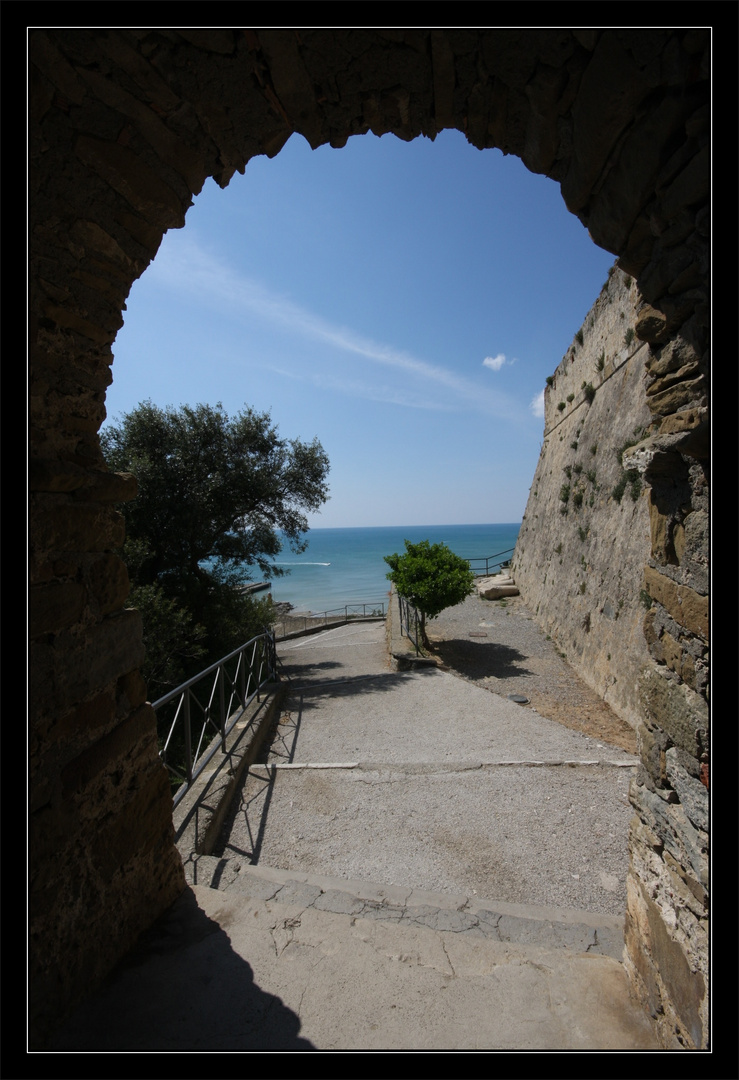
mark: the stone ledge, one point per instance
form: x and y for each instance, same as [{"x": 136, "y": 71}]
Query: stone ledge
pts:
[{"x": 200, "y": 815}]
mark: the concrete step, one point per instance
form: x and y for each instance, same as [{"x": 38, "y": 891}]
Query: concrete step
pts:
[
  {"x": 529, "y": 924},
  {"x": 228, "y": 970}
]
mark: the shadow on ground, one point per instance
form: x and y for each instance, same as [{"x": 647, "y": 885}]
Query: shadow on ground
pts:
[
  {"x": 147, "y": 1005},
  {"x": 477, "y": 660}
]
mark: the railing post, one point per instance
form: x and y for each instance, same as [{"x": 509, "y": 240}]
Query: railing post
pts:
[
  {"x": 222, "y": 707},
  {"x": 242, "y": 677},
  {"x": 188, "y": 737}
]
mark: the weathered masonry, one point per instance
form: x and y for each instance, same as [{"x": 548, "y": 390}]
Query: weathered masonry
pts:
[{"x": 125, "y": 127}]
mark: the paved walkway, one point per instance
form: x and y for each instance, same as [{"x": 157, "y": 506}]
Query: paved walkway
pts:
[
  {"x": 425, "y": 780},
  {"x": 437, "y": 868}
]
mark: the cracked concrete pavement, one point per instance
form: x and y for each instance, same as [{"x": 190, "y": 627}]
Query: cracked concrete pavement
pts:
[
  {"x": 394, "y": 780},
  {"x": 424, "y": 779}
]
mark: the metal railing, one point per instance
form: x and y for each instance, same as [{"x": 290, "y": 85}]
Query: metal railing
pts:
[
  {"x": 490, "y": 562},
  {"x": 410, "y": 621},
  {"x": 194, "y": 720},
  {"x": 294, "y": 624}
]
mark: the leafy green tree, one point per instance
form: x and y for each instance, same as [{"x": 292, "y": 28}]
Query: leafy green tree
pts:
[
  {"x": 431, "y": 577},
  {"x": 218, "y": 497}
]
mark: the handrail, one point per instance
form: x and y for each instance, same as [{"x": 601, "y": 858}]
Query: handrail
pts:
[
  {"x": 489, "y": 561},
  {"x": 347, "y": 612},
  {"x": 218, "y": 703}
]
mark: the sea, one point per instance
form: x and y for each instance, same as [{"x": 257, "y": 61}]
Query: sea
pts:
[{"x": 346, "y": 566}]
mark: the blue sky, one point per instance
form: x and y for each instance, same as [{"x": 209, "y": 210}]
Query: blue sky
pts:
[{"x": 403, "y": 302}]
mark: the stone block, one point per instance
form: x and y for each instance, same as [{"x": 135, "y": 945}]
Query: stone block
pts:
[
  {"x": 676, "y": 709},
  {"x": 652, "y": 753},
  {"x": 131, "y": 691},
  {"x": 675, "y": 354},
  {"x": 688, "y": 392},
  {"x": 86, "y": 768},
  {"x": 76, "y": 667},
  {"x": 141, "y": 187},
  {"x": 651, "y": 325},
  {"x": 57, "y": 476},
  {"x": 637, "y": 939},
  {"x": 84, "y": 723},
  {"x": 687, "y": 371},
  {"x": 135, "y": 826},
  {"x": 79, "y": 528},
  {"x": 668, "y": 821},
  {"x": 109, "y": 584},
  {"x": 67, "y": 319},
  {"x": 55, "y": 607},
  {"x": 691, "y": 792},
  {"x": 692, "y": 186},
  {"x": 686, "y": 988},
  {"x": 685, "y": 605}
]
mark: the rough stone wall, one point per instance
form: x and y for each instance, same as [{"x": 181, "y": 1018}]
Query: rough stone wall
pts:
[
  {"x": 124, "y": 128},
  {"x": 616, "y": 523},
  {"x": 584, "y": 538},
  {"x": 668, "y": 886}
]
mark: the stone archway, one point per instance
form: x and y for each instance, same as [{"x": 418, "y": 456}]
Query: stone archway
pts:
[{"x": 125, "y": 126}]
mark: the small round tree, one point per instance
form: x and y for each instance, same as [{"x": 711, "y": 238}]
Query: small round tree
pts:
[{"x": 431, "y": 577}]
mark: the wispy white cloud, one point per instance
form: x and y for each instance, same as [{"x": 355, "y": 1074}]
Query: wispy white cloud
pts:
[
  {"x": 495, "y": 363},
  {"x": 537, "y": 404},
  {"x": 388, "y": 395},
  {"x": 186, "y": 266}
]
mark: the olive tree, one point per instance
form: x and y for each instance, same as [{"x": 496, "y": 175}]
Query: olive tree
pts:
[{"x": 218, "y": 497}]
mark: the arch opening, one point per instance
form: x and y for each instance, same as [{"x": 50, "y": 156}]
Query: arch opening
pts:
[{"x": 122, "y": 134}]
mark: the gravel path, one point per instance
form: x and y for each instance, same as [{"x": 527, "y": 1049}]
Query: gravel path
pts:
[
  {"x": 499, "y": 646},
  {"x": 429, "y": 780}
]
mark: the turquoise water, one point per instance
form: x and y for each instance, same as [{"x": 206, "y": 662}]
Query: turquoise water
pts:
[{"x": 345, "y": 566}]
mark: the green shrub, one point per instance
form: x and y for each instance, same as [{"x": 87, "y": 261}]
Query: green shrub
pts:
[
  {"x": 564, "y": 493},
  {"x": 589, "y": 390},
  {"x": 561, "y": 405},
  {"x": 431, "y": 577},
  {"x": 629, "y": 336}
]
